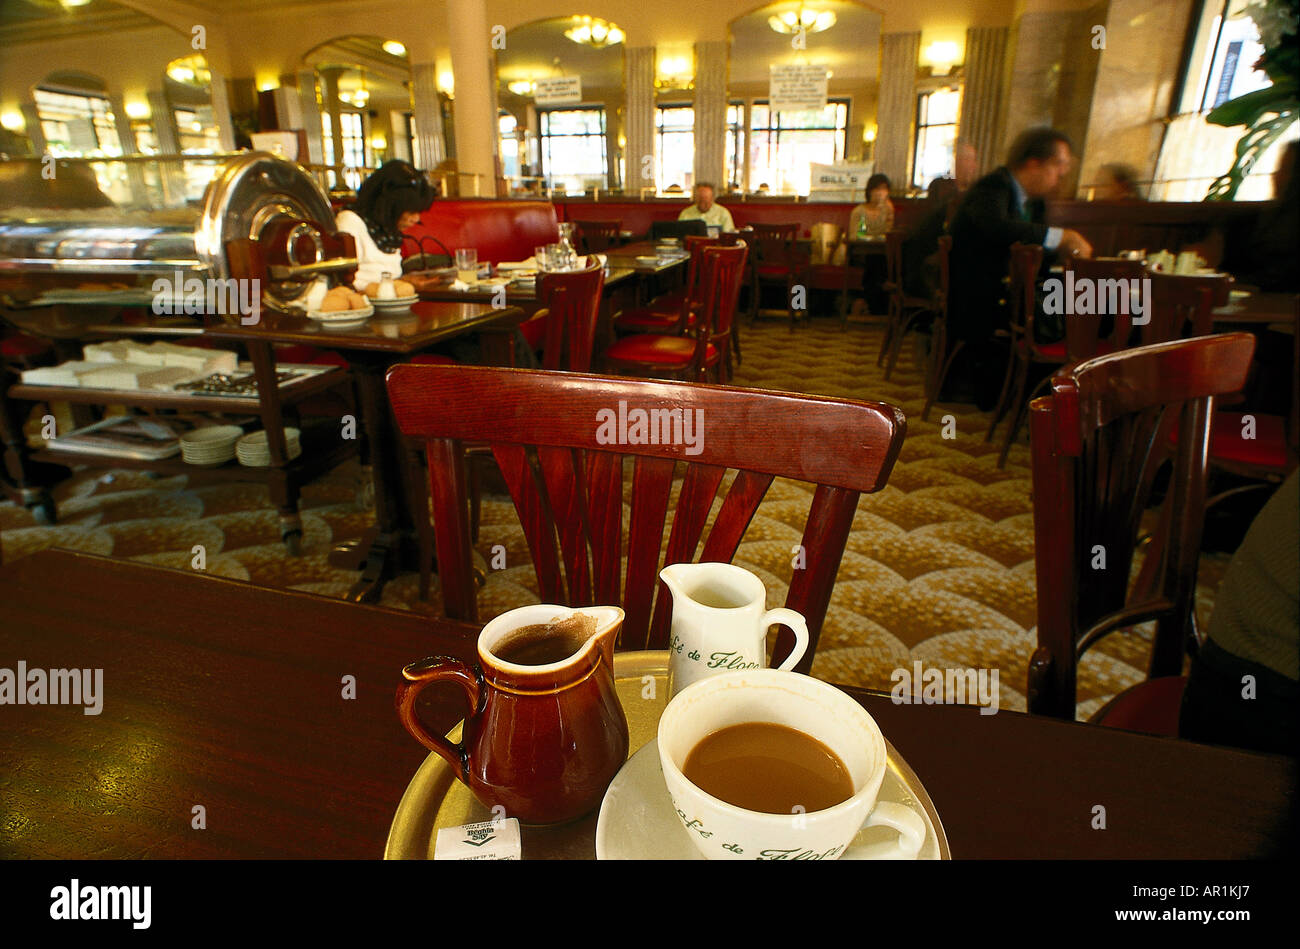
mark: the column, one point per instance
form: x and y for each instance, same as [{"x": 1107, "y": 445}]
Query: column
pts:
[
  {"x": 711, "y": 113},
  {"x": 475, "y": 120},
  {"x": 126, "y": 138},
  {"x": 983, "y": 92},
  {"x": 329, "y": 93},
  {"x": 32, "y": 129},
  {"x": 219, "y": 96},
  {"x": 896, "y": 114},
  {"x": 429, "y": 143},
  {"x": 164, "y": 129},
  {"x": 639, "y": 119},
  {"x": 309, "y": 109}
]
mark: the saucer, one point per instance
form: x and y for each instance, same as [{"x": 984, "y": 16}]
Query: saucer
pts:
[
  {"x": 637, "y": 821},
  {"x": 394, "y": 303}
]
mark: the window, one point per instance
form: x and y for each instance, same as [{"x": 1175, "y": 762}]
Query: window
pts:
[
  {"x": 77, "y": 124},
  {"x": 736, "y": 146},
  {"x": 1221, "y": 64},
  {"x": 675, "y": 146},
  {"x": 936, "y": 134},
  {"x": 196, "y": 131},
  {"x": 508, "y": 130},
  {"x": 783, "y": 145},
  {"x": 353, "y": 130},
  {"x": 573, "y": 149}
]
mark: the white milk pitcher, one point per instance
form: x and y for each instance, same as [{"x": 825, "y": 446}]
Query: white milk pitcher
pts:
[{"x": 720, "y": 623}]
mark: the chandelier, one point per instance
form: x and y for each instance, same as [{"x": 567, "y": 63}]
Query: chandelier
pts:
[
  {"x": 803, "y": 19},
  {"x": 594, "y": 32}
]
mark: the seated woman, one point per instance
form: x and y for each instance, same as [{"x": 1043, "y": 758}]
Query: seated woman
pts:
[
  {"x": 873, "y": 219},
  {"x": 389, "y": 201}
]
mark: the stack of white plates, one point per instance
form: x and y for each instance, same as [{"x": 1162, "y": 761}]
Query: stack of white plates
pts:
[
  {"x": 254, "y": 452},
  {"x": 210, "y": 446}
]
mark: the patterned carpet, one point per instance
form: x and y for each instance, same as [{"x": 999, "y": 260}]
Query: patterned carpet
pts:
[{"x": 939, "y": 567}]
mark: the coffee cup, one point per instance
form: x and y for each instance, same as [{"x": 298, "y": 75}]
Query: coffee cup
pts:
[{"x": 724, "y": 831}]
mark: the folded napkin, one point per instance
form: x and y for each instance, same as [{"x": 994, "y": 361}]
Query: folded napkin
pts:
[
  {"x": 529, "y": 264},
  {"x": 460, "y": 285}
]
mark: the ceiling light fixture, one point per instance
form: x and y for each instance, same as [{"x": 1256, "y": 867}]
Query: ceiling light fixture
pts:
[
  {"x": 522, "y": 87},
  {"x": 801, "y": 20},
  {"x": 394, "y": 48},
  {"x": 594, "y": 32}
]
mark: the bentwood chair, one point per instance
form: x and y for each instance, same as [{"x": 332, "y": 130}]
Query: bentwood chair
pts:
[
  {"x": 599, "y": 236},
  {"x": 1113, "y": 281},
  {"x": 706, "y": 345},
  {"x": 779, "y": 259},
  {"x": 672, "y": 312},
  {"x": 903, "y": 307},
  {"x": 941, "y": 358},
  {"x": 567, "y": 480},
  {"x": 1179, "y": 302},
  {"x": 566, "y": 327},
  {"x": 1025, "y": 350},
  {"x": 1094, "y": 442}
]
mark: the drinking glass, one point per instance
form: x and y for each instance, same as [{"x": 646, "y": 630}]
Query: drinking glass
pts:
[
  {"x": 542, "y": 255},
  {"x": 467, "y": 265}
]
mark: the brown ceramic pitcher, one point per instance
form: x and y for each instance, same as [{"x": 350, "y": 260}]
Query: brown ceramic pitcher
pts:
[{"x": 541, "y": 740}]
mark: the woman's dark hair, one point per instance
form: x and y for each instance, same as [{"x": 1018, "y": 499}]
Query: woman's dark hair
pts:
[
  {"x": 942, "y": 190},
  {"x": 386, "y": 195},
  {"x": 876, "y": 181}
]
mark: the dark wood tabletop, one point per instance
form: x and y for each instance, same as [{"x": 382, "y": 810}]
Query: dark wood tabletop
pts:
[
  {"x": 221, "y": 695},
  {"x": 410, "y": 331},
  {"x": 523, "y": 294},
  {"x": 1259, "y": 308},
  {"x": 638, "y": 256}
]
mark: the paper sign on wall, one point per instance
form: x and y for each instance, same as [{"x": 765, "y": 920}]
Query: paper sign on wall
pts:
[
  {"x": 794, "y": 88},
  {"x": 561, "y": 90},
  {"x": 842, "y": 181}
]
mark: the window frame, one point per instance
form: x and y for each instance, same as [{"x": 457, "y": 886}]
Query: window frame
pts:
[{"x": 544, "y": 136}]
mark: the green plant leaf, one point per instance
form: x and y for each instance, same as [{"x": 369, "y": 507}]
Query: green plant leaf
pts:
[{"x": 1244, "y": 110}]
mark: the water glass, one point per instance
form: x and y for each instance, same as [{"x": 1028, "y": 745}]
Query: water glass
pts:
[{"x": 466, "y": 264}]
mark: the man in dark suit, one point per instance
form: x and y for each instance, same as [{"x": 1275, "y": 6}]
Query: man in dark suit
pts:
[{"x": 1002, "y": 208}]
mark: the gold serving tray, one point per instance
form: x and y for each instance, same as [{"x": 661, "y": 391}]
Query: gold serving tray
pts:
[{"x": 435, "y": 799}]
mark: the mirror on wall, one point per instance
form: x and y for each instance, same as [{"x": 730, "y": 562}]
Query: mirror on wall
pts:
[
  {"x": 772, "y": 146},
  {"x": 363, "y": 84},
  {"x": 561, "y": 106}
]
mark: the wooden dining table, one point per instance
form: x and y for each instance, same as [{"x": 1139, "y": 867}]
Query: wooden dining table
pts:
[
  {"x": 240, "y": 721},
  {"x": 370, "y": 349}
]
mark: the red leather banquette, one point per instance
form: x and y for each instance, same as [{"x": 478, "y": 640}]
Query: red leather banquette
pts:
[{"x": 498, "y": 229}]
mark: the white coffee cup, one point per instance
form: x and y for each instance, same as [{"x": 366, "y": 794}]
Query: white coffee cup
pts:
[{"x": 726, "y": 832}]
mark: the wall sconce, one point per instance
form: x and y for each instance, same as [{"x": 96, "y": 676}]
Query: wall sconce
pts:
[
  {"x": 869, "y": 133},
  {"x": 137, "y": 110},
  {"x": 522, "y": 87},
  {"x": 378, "y": 142},
  {"x": 13, "y": 121},
  {"x": 447, "y": 82},
  {"x": 941, "y": 56}
]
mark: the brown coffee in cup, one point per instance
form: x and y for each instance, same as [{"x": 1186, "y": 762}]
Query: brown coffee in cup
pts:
[{"x": 774, "y": 769}]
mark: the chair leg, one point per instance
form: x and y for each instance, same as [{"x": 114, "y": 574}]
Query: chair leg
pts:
[
  {"x": 888, "y": 340},
  {"x": 1017, "y": 413},
  {"x": 941, "y": 374},
  {"x": 1000, "y": 409},
  {"x": 735, "y": 342},
  {"x": 904, "y": 325}
]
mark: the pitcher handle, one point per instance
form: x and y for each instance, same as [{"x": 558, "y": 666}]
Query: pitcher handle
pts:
[
  {"x": 797, "y": 625},
  {"x": 422, "y": 673}
]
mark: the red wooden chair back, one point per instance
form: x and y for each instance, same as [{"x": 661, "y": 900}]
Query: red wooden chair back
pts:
[
  {"x": 722, "y": 272},
  {"x": 557, "y": 439},
  {"x": 1083, "y": 339},
  {"x": 1026, "y": 260},
  {"x": 599, "y": 236},
  {"x": 572, "y": 302},
  {"x": 1179, "y": 301},
  {"x": 1094, "y": 440},
  {"x": 695, "y": 247},
  {"x": 786, "y": 233}
]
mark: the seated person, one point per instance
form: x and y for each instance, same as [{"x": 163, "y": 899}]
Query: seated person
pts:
[
  {"x": 1118, "y": 183},
  {"x": 1002, "y": 208},
  {"x": 876, "y": 216},
  {"x": 388, "y": 202},
  {"x": 1267, "y": 256},
  {"x": 920, "y": 270},
  {"x": 707, "y": 210},
  {"x": 1244, "y": 685},
  {"x": 873, "y": 219}
]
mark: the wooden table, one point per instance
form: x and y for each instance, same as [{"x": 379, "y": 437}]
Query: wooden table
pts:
[
  {"x": 230, "y": 697},
  {"x": 1260, "y": 309},
  {"x": 370, "y": 350}
]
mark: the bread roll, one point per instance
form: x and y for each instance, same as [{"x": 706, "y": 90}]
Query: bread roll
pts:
[
  {"x": 372, "y": 289},
  {"x": 332, "y": 303},
  {"x": 403, "y": 288},
  {"x": 340, "y": 293},
  {"x": 357, "y": 301}
]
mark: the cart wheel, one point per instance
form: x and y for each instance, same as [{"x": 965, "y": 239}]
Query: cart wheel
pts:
[{"x": 292, "y": 542}]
